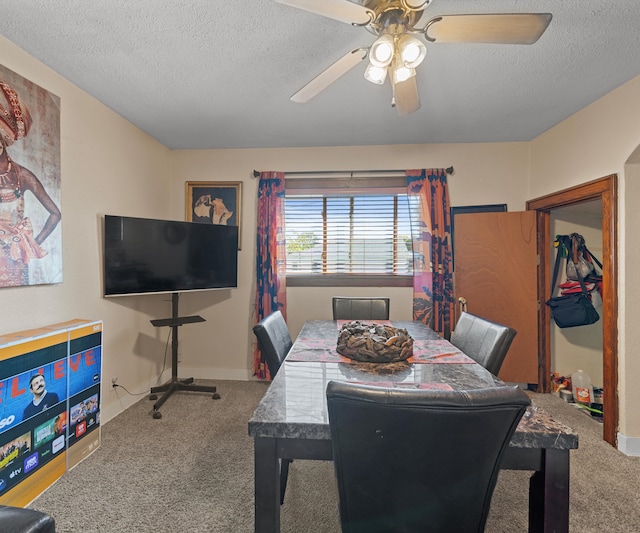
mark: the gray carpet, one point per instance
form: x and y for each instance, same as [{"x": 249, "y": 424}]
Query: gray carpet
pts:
[{"x": 192, "y": 471}]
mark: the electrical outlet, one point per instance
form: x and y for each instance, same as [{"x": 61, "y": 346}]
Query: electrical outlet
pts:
[{"x": 114, "y": 381}]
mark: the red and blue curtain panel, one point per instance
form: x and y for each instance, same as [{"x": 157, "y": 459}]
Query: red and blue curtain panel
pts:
[
  {"x": 271, "y": 284},
  {"x": 433, "y": 297}
]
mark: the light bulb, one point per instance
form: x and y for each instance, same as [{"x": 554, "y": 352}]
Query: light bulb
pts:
[
  {"x": 412, "y": 51},
  {"x": 375, "y": 74},
  {"x": 381, "y": 52},
  {"x": 402, "y": 73}
]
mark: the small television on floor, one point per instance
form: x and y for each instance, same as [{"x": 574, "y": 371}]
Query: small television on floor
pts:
[{"x": 148, "y": 256}]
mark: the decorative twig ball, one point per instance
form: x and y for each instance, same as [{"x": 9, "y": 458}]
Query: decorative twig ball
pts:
[{"x": 374, "y": 343}]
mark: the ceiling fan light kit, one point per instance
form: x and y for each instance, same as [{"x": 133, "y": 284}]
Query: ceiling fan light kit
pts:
[
  {"x": 404, "y": 53},
  {"x": 397, "y": 52}
]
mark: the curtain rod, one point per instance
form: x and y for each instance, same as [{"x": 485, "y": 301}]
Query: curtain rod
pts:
[{"x": 345, "y": 173}]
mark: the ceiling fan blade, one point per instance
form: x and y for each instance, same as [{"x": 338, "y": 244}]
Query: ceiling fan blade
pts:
[
  {"x": 329, "y": 75},
  {"x": 341, "y": 10},
  {"x": 406, "y": 96},
  {"x": 521, "y": 28}
]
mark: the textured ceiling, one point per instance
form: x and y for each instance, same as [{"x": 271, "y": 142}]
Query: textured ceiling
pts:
[{"x": 202, "y": 74}]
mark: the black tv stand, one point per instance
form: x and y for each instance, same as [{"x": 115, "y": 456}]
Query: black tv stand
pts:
[{"x": 175, "y": 384}]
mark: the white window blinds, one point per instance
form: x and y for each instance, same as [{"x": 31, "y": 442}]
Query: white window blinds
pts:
[{"x": 348, "y": 230}]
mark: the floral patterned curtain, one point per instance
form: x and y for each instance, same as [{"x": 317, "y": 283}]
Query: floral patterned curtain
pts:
[
  {"x": 433, "y": 299},
  {"x": 271, "y": 286}
]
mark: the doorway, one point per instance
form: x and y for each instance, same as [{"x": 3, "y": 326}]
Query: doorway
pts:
[{"x": 605, "y": 190}]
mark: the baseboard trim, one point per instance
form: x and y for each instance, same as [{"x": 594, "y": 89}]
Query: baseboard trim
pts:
[
  {"x": 629, "y": 445},
  {"x": 125, "y": 400}
]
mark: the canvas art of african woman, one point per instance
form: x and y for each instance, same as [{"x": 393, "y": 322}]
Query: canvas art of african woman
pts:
[{"x": 30, "y": 247}]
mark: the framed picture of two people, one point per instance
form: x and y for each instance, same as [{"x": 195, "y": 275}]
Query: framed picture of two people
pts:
[{"x": 210, "y": 202}]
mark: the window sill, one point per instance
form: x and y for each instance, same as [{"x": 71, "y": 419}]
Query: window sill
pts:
[{"x": 348, "y": 280}]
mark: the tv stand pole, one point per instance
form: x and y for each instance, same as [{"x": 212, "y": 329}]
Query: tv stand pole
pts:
[{"x": 175, "y": 384}]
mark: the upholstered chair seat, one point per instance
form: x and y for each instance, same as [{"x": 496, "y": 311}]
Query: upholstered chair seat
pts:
[{"x": 18, "y": 520}]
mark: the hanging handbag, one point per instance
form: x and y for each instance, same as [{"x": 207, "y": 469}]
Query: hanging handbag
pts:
[
  {"x": 578, "y": 258},
  {"x": 575, "y": 309}
]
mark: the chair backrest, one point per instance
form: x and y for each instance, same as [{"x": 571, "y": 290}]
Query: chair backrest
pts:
[
  {"x": 274, "y": 340},
  {"x": 365, "y": 308},
  {"x": 416, "y": 460},
  {"x": 484, "y": 341}
]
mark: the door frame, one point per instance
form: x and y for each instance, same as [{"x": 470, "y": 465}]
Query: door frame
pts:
[{"x": 605, "y": 189}]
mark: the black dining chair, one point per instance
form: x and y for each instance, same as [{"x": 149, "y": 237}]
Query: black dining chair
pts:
[
  {"x": 275, "y": 342},
  {"x": 19, "y": 520},
  {"x": 416, "y": 460},
  {"x": 484, "y": 341},
  {"x": 360, "y": 308}
]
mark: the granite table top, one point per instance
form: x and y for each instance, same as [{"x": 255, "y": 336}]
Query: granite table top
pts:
[{"x": 295, "y": 405}]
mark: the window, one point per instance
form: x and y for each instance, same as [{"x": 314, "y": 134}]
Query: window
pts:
[{"x": 349, "y": 232}]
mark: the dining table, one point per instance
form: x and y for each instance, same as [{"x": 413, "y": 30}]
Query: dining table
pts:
[{"x": 291, "y": 421}]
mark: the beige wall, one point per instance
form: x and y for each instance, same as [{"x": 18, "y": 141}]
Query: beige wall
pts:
[
  {"x": 629, "y": 337},
  {"x": 595, "y": 142},
  {"x": 484, "y": 173},
  {"x": 109, "y": 166}
]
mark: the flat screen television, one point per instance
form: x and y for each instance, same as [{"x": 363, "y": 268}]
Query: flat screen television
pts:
[{"x": 147, "y": 256}]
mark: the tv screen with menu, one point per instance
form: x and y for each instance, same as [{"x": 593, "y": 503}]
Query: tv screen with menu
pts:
[{"x": 147, "y": 256}]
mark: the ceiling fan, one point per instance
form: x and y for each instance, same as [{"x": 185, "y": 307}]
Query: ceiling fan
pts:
[{"x": 397, "y": 51}]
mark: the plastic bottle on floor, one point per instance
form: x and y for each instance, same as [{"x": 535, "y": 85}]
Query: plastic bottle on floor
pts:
[{"x": 582, "y": 388}]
